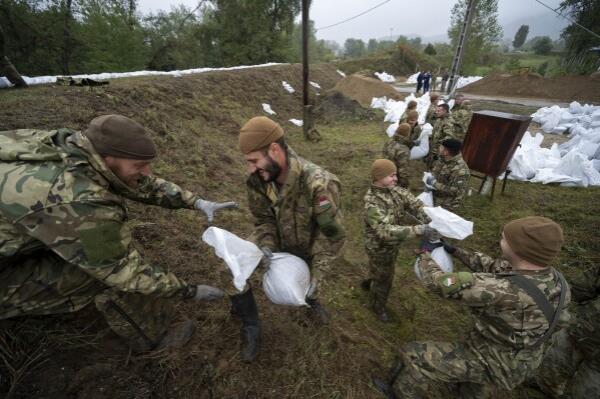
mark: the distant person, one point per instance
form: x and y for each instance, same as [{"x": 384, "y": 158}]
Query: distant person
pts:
[
  {"x": 397, "y": 150},
  {"x": 385, "y": 229},
  {"x": 430, "y": 116},
  {"x": 434, "y": 76},
  {"x": 419, "y": 82},
  {"x": 412, "y": 118},
  {"x": 449, "y": 182},
  {"x": 426, "y": 80},
  {"x": 64, "y": 237},
  {"x": 411, "y": 106},
  {"x": 445, "y": 77}
]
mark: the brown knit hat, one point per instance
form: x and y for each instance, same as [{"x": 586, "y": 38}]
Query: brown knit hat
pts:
[
  {"x": 258, "y": 133},
  {"x": 121, "y": 137},
  {"x": 382, "y": 168},
  {"x": 412, "y": 104},
  {"x": 403, "y": 129},
  {"x": 536, "y": 239},
  {"x": 434, "y": 97},
  {"x": 412, "y": 114}
]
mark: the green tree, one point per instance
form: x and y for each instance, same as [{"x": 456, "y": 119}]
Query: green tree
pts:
[
  {"x": 354, "y": 48},
  {"x": 482, "y": 36},
  {"x": 430, "y": 50},
  {"x": 543, "y": 46},
  {"x": 520, "y": 36},
  {"x": 372, "y": 46},
  {"x": 577, "y": 40},
  {"x": 318, "y": 50}
]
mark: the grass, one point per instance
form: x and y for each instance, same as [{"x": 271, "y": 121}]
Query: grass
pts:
[{"x": 196, "y": 134}]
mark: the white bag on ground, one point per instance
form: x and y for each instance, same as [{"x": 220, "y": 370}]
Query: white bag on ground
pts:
[
  {"x": 449, "y": 224},
  {"x": 287, "y": 280},
  {"x": 241, "y": 256},
  {"x": 441, "y": 257}
]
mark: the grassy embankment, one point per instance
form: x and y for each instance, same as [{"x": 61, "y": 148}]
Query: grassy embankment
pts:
[{"x": 195, "y": 120}]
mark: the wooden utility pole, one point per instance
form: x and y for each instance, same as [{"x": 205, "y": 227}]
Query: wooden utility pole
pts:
[
  {"x": 462, "y": 38},
  {"x": 310, "y": 133}
]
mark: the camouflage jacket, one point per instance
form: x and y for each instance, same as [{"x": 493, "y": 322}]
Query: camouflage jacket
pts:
[
  {"x": 430, "y": 115},
  {"x": 303, "y": 216},
  {"x": 58, "y": 194},
  {"x": 461, "y": 116},
  {"x": 585, "y": 326},
  {"x": 415, "y": 133},
  {"x": 452, "y": 182},
  {"x": 391, "y": 216},
  {"x": 397, "y": 150},
  {"x": 442, "y": 129},
  {"x": 505, "y": 314}
]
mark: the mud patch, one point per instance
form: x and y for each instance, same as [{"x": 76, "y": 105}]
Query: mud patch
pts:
[{"x": 335, "y": 106}]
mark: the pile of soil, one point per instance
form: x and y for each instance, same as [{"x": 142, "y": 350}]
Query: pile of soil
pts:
[
  {"x": 564, "y": 88},
  {"x": 363, "y": 89},
  {"x": 334, "y": 105}
]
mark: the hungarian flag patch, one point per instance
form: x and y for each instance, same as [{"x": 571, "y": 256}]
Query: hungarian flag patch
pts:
[{"x": 324, "y": 201}]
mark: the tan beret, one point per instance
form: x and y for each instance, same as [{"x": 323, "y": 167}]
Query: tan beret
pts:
[
  {"x": 434, "y": 97},
  {"x": 382, "y": 168},
  {"x": 536, "y": 239},
  {"x": 412, "y": 114},
  {"x": 258, "y": 133},
  {"x": 411, "y": 104},
  {"x": 403, "y": 129},
  {"x": 121, "y": 137}
]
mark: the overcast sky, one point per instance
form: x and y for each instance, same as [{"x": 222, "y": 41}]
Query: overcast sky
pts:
[{"x": 399, "y": 17}]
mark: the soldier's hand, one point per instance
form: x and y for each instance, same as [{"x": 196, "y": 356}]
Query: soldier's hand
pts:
[
  {"x": 209, "y": 208},
  {"x": 448, "y": 247},
  {"x": 208, "y": 293},
  {"x": 431, "y": 234},
  {"x": 430, "y": 181},
  {"x": 428, "y": 246},
  {"x": 265, "y": 261}
]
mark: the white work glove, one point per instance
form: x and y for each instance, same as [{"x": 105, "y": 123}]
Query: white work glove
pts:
[
  {"x": 209, "y": 208},
  {"x": 208, "y": 293}
]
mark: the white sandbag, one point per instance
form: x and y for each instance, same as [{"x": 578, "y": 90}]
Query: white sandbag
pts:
[
  {"x": 421, "y": 150},
  {"x": 576, "y": 165},
  {"x": 241, "y": 256},
  {"x": 426, "y": 198},
  {"x": 449, "y": 224},
  {"x": 575, "y": 108},
  {"x": 385, "y": 77},
  {"x": 287, "y": 280},
  {"x": 391, "y": 130},
  {"x": 441, "y": 257}
]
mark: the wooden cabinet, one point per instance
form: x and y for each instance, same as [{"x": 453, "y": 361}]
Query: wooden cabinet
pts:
[{"x": 492, "y": 139}]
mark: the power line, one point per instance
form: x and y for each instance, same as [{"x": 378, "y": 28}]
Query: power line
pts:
[
  {"x": 568, "y": 19},
  {"x": 354, "y": 17}
]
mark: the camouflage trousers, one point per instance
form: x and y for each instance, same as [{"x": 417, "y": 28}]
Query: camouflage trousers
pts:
[
  {"x": 475, "y": 370},
  {"x": 44, "y": 284},
  {"x": 382, "y": 262}
]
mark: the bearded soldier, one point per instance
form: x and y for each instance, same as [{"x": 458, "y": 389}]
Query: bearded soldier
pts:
[
  {"x": 64, "y": 241},
  {"x": 518, "y": 302},
  {"x": 296, "y": 209}
]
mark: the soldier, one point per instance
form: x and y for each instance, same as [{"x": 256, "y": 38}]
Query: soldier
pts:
[
  {"x": 442, "y": 129},
  {"x": 412, "y": 118},
  {"x": 296, "y": 207},
  {"x": 411, "y": 106},
  {"x": 431, "y": 111},
  {"x": 445, "y": 77},
  {"x": 397, "y": 150},
  {"x": 386, "y": 206},
  {"x": 64, "y": 241},
  {"x": 518, "y": 302},
  {"x": 450, "y": 177},
  {"x": 572, "y": 365},
  {"x": 462, "y": 112}
]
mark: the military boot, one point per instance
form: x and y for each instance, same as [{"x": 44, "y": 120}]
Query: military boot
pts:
[
  {"x": 244, "y": 306},
  {"x": 177, "y": 335},
  {"x": 318, "y": 311}
]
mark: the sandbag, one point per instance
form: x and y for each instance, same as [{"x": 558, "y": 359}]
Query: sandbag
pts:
[
  {"x": 449, "y": 224},
  {"x": 240, "y": 256},
  {"x": 426, "y": 197},
  {"x": 287, "y": 280},
  {"x": 441, "y": 257},
  {"x": 421, "y": 150}
]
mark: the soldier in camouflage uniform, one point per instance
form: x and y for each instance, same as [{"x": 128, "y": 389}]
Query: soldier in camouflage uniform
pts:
[
  {"x": 431, "y": 111},
  {"x": 442, "y": 129},
  {"x": 518, "y": 302},
  {"x": 411, "y": 106},
  {"x": 450, "y": 177},
  {"x": 412, "y": 118},
  {"x": 572, "y": 365},
  {"x": 296, "y": 208},
  {"x": 462, "y": 112},
  {"x": 64, "y": 241},
  {"x": 386, "y": 208},
  {"x": 397, "y": 150}
]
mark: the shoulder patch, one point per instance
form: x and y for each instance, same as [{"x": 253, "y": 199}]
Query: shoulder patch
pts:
[{"x": 452, "y": 283}]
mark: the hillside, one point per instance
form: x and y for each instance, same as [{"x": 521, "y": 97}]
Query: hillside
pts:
[{"x": 195, "y": 120}]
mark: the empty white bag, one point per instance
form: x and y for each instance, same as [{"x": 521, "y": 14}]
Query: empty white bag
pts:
[
  {"x": 241, "y": 256},
  {"x": 449, "y": 224},
  {"x": 287, "y": 280},
  {"x": 441, "y": 257}
]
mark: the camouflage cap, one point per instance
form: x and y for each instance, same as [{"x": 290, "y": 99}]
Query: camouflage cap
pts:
[
  {"x": 382, "y": 168},
  {"x": 403, "y": 129},
  {"x": 536, "y": 239},
  {"x": 412, "y": 114},
  {"x": 258, "y": 133},
  {"x": 120, "y": 137}
]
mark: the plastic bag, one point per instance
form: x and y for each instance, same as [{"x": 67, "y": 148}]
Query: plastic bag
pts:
[
  {"x": 449, "y": 224},
  {"x": 287, "y": 280},
  {"x": 419, "y": 151},
  {"x": 441, "y": 257},
  {"x": 426, "y": 198},
  {"x": 241, "y": 256}
]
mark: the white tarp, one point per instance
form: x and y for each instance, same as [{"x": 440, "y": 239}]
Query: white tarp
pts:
[{"x": 385, "y": 77}]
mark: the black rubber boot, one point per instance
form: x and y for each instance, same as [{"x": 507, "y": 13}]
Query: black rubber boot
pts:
[{"x": 244, "y": 306}]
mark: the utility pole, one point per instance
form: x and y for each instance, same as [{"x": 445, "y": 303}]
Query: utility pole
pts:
[
  {"x": 310, "y": 133},
  {"x": 460, "y": 47}
]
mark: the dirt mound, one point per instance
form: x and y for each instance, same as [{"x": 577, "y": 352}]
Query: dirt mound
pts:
[
  {"x": 334, "y": 105},
  {"x": 564, "y": 88},
  {"x": 363, "y": 89}
]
